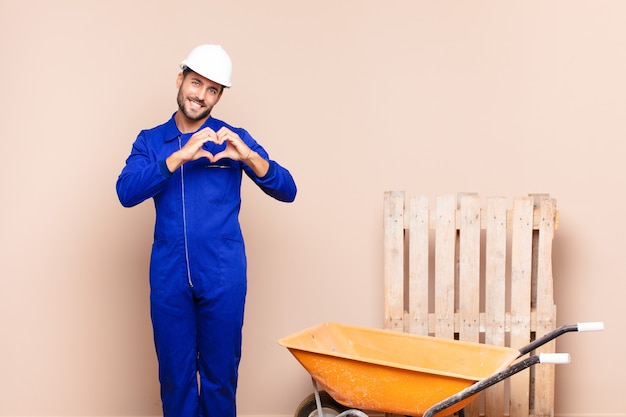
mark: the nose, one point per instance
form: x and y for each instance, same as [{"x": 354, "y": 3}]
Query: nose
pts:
[{"x": 201, "y": 95}]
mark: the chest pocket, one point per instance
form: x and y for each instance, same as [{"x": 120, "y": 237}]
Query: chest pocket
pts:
[{"x": 212, "y": 183}]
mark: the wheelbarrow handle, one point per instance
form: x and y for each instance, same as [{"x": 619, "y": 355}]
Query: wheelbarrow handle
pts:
[
  {"x": 591, "y": 326},
  {"x": 555, "y": 358},
  {"x": 580, "y": 327},
  {"x": 482, "y": 385}
]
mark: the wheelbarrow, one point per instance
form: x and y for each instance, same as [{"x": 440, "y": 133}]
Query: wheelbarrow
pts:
[{"x": 356, "y": 369}]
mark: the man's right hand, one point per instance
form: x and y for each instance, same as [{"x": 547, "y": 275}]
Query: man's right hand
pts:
[{"x": 192, "y": 150}]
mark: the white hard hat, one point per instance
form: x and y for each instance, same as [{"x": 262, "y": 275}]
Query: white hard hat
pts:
[{"x": 210, "y": 61}]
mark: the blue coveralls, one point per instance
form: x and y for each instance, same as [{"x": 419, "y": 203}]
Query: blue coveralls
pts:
[{"x": 198, "y": 264}]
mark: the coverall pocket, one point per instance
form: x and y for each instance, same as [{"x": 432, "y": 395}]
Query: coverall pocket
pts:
[
  {"x": 163, "y": 261},
  {"x": 232, "y": 261}
]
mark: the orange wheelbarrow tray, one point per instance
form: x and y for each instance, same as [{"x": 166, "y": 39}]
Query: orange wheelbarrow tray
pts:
[{"x": 400, "y": 373}]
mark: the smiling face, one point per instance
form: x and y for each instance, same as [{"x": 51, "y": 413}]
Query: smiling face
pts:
[{"x": 196, "y": 96}]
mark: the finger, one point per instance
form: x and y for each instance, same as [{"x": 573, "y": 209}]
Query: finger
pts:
[
  {"x": 223, "y": 130},
  {"x": 226, "y": 134},
  {"x": 207, "y": 131},
  {"x": 218, "y": 156},
  {"x": 201, "y": 153},
  {"x": 201, "y": 134},
  {"x": 210, "y": 157},
  {"x": 223, "y": 135},
  {"x": 208, "y": 135}
]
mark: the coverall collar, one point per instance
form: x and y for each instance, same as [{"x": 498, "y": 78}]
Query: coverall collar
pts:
[{"x": 172, "y": 132}]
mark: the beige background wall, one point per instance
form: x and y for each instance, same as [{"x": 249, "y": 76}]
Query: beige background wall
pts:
[{"x": 355, "y": 98}]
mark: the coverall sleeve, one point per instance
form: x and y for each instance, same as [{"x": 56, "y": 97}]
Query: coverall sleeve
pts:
[
  {"x": 143, "y": 176},
  {"x": 278, "y": 181}
]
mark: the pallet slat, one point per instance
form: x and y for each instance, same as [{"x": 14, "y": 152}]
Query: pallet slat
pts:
[
  {"x": 469, "y": 268},
  {"x": 445, "y": 242},
  {"x": 418, "y": 265},
  {"x": 521, "y": 278},
  {"x": 495, "y": 291},
  {"x": 546, "y": 311},
  {"x": 394, "y": 260},
  {"x": 469, "y": 275}
]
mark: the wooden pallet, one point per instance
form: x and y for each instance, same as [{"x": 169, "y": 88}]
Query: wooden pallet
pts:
[{"x": 477, "y": 271}]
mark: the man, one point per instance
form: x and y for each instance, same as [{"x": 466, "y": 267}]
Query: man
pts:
[{"x": 191, "y": 166}]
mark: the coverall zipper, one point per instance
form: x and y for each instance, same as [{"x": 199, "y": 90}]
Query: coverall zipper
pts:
[{"x": 182, "y": 187}]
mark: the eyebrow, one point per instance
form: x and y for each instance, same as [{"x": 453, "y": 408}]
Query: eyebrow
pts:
[{"x": 211, "y": 85}]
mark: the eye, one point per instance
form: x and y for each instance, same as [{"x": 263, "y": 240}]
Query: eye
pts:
[{"x": 213, "y": 91}]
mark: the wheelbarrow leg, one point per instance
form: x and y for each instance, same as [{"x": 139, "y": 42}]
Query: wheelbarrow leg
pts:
[
  {"x": 318, "y": 400},
  {"x": 320, "y": 411}
]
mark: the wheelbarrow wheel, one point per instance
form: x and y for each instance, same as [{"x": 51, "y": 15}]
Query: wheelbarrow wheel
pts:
[{"x": 330, "y": 407}]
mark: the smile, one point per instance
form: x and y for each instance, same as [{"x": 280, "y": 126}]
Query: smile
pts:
[{"x": 196, "y": 104}]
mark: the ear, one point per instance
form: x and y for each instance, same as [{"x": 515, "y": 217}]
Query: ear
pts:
[{"x": 179, "y": 79}]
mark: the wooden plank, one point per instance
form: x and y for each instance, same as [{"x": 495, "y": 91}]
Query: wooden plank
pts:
[
  {"x": 483, "y": 326},
  {"x": 495, "y": 271},
  {"x": 393, "y": 259},
  {"x": 469, "y": 277},
  {"x": 445, "y": 244},
  {"x": 418, "y": 265},
  {"x": 509, "y": 220},
  {"x": 546, "y": 314},
  {"x": 521, "y": 278},
  {"x": 469, "y": 269},
  {"x": 495, "y": 292}
]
